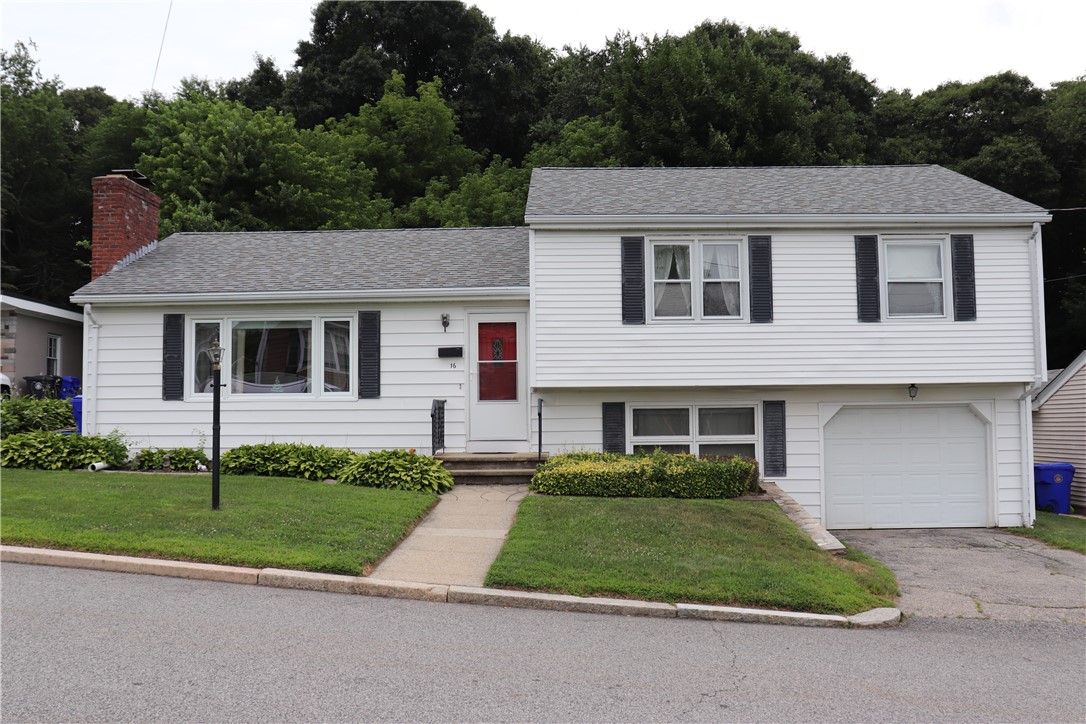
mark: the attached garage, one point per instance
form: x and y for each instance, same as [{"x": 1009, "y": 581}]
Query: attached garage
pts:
[{"x": 906, "y": 466}]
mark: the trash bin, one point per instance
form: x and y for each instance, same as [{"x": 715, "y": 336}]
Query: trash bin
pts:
[
  {"x": 1052, "y": 483},
  {"x": 69, "y": 387},
  {"x": 42, "y": 386},
  {"x": 77, "y": 411}
]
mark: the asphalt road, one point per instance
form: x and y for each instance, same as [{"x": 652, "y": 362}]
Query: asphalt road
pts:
[{"x": 85, "y": 645}]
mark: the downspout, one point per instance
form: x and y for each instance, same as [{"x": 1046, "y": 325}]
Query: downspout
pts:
[
  {"x": 90, "y": 371},
  {"x": 1040, "y": 375}
]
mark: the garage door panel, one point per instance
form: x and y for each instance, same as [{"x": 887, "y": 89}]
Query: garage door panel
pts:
[{"x": 900, "y": 467}]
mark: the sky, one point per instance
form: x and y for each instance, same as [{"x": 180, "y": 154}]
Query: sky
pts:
[{"x": 916, "y": 45}]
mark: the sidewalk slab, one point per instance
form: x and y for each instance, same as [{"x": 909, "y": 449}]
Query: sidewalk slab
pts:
[
  {"x": 557, "y": 602},
  {"x": 129, "y": 564}
]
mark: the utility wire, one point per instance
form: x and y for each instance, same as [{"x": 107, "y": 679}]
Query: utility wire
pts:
[
  {"x": 1063, "y": 279},
  {"x": 161, "y": 45}
]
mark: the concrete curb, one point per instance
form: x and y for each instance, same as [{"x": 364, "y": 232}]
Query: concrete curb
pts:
[{"x": 435, "y": 593}]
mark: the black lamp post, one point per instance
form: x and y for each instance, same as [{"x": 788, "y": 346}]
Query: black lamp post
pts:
[{"x": 215, "y": 352}]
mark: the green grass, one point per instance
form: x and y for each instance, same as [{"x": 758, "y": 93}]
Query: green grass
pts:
[
  {"x": 706, "y": 551},
  {"x": 262, "y": 522},
  {"x": 1060, "y": 531}
]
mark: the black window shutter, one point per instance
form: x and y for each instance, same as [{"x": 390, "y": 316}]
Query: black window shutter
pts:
[
  {"x": 369, "y": 354},
  {"x": 774, "y": 448},
  {"x": 965, "y": 284},
  {"x": 867, "y": 279},
  {"x": 614, "y": 427},
  {"x": 633, "y": 280},
  {"x": 173, "y": 356},
  {"x": 761, "y": 279}
]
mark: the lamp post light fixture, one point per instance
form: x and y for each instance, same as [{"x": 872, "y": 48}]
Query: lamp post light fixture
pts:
[{"x": 215, "y": 353}]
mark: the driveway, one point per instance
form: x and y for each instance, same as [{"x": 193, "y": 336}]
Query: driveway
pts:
[{"x": 979, "y": 573}]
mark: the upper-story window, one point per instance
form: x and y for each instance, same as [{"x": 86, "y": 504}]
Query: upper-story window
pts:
[
  {"x": 915, "y": 278},
  {"x": 697, "y": 279}
]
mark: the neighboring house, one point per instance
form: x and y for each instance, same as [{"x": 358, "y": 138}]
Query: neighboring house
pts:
[
  {"x": 870, "y": 334},
  {"x": 1059, "y": 424},
  {"x": 38, "y": 339}
]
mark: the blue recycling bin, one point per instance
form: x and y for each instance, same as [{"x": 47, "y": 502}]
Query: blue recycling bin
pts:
[
  {"x": 69, "y": 387},
  {"x": 77, "y": 411},
  {"x": 1052, "y": 484}
]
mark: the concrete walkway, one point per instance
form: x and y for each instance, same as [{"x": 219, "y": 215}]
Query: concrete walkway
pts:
[{"x": 458, "y": 542}]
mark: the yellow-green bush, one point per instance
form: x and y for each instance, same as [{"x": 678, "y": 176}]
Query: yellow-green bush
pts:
[{"x": 659, "y": 475}]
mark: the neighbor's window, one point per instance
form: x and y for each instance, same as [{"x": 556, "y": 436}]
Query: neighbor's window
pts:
[
  {"x": 697, "y": 279},
  {"x": 52, "y": 355},
  {"x": 701, "y": 430},
  {"x": 915, "y": 285}
]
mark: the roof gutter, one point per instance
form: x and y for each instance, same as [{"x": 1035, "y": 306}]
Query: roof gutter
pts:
[
  {"x": 782, "y": 221},
  {"x": 337, "y": 295}
]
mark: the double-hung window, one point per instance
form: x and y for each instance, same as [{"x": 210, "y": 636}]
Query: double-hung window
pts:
[
  {"x": 309, "y": 356},
  {"x": 697, "y": 279},
  {"x": 704, "y": 430},
  {"x": 52, "y": 355},
  {"x": 914, "y": 279}
]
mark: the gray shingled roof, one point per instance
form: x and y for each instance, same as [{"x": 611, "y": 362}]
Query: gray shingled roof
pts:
[
  {"x": 351, "y": 261},
  {"x": 796, "y": 190}
]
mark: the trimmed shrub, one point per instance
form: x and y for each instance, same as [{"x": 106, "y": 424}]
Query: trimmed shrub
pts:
[
  {"x": 398, "y": 470},
  {"x": 46, "y": 450},
  {"x": 659, "y": 475},
  {"x": 26, "y": 414},
  {"x": 178, "y": 458},
  {"x": 285, "y": 459}
]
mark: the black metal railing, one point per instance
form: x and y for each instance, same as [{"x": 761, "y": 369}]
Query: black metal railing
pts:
[
  {"x": 539, "y": 427},
  {"x": 437, "y": 426}
]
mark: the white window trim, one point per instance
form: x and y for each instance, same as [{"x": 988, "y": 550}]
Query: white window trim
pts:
[
  {"x": 316, "y": 322},
  {"x": 55, "y": 348},
  {"x": 696, "y": 299},
  {"x": 693, "y": 440},
  {"x": 948, "y": 296}
]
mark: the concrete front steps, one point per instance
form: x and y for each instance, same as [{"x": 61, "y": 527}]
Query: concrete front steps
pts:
[{"x": 490, "y": 468}]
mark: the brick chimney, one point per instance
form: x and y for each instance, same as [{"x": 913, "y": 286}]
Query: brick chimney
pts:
[{"x": 125, "y": 220}]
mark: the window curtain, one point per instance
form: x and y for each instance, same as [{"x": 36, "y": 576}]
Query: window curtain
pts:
[{"x": 671, "y": 291}]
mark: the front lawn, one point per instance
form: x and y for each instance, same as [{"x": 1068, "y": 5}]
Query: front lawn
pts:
[
  {"x": 726, "y": 552},
  {"x": 262, "y": 522},
  {"x": 1061, "y": 531}
]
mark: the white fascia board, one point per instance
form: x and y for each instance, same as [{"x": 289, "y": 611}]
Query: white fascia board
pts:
[
  {"x": 37, "y": 309},
  {"x": 778, "y": 221},
  {"x": 390, "y": 295}
]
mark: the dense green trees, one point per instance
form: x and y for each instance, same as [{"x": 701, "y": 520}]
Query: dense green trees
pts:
[{"x": 420, "y": 114}]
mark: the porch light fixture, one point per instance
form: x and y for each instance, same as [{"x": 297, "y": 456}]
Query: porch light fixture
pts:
[
  {"x": 445, "y": 322},
  {"x": 913, "y": 389},
  {"x": 215, "y": 353}
]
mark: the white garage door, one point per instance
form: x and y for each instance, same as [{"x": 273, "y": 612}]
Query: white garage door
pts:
[{"x": 906, "y": 467}]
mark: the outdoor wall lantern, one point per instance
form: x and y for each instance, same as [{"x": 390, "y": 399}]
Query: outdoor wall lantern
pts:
[
  {"x": 445, "y": 322},
  {"x": 913, "y": 389},
  {"x": 215, "y": 353}
]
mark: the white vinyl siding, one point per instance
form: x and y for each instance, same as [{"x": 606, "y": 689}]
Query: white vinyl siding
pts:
[
  {"x": 127, "y": 369},
  {"x": 814, "y": 339},
  {"x": 572, "y": 420}
]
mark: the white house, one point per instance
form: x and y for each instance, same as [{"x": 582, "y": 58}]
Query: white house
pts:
[{"x": 872, "y": 335}]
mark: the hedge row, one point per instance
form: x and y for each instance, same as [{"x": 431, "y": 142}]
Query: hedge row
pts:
[
  {"x": 27, "y": 414},
  {"x": 45, "y": 450},
  {"x": 659, "y": 475}
]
